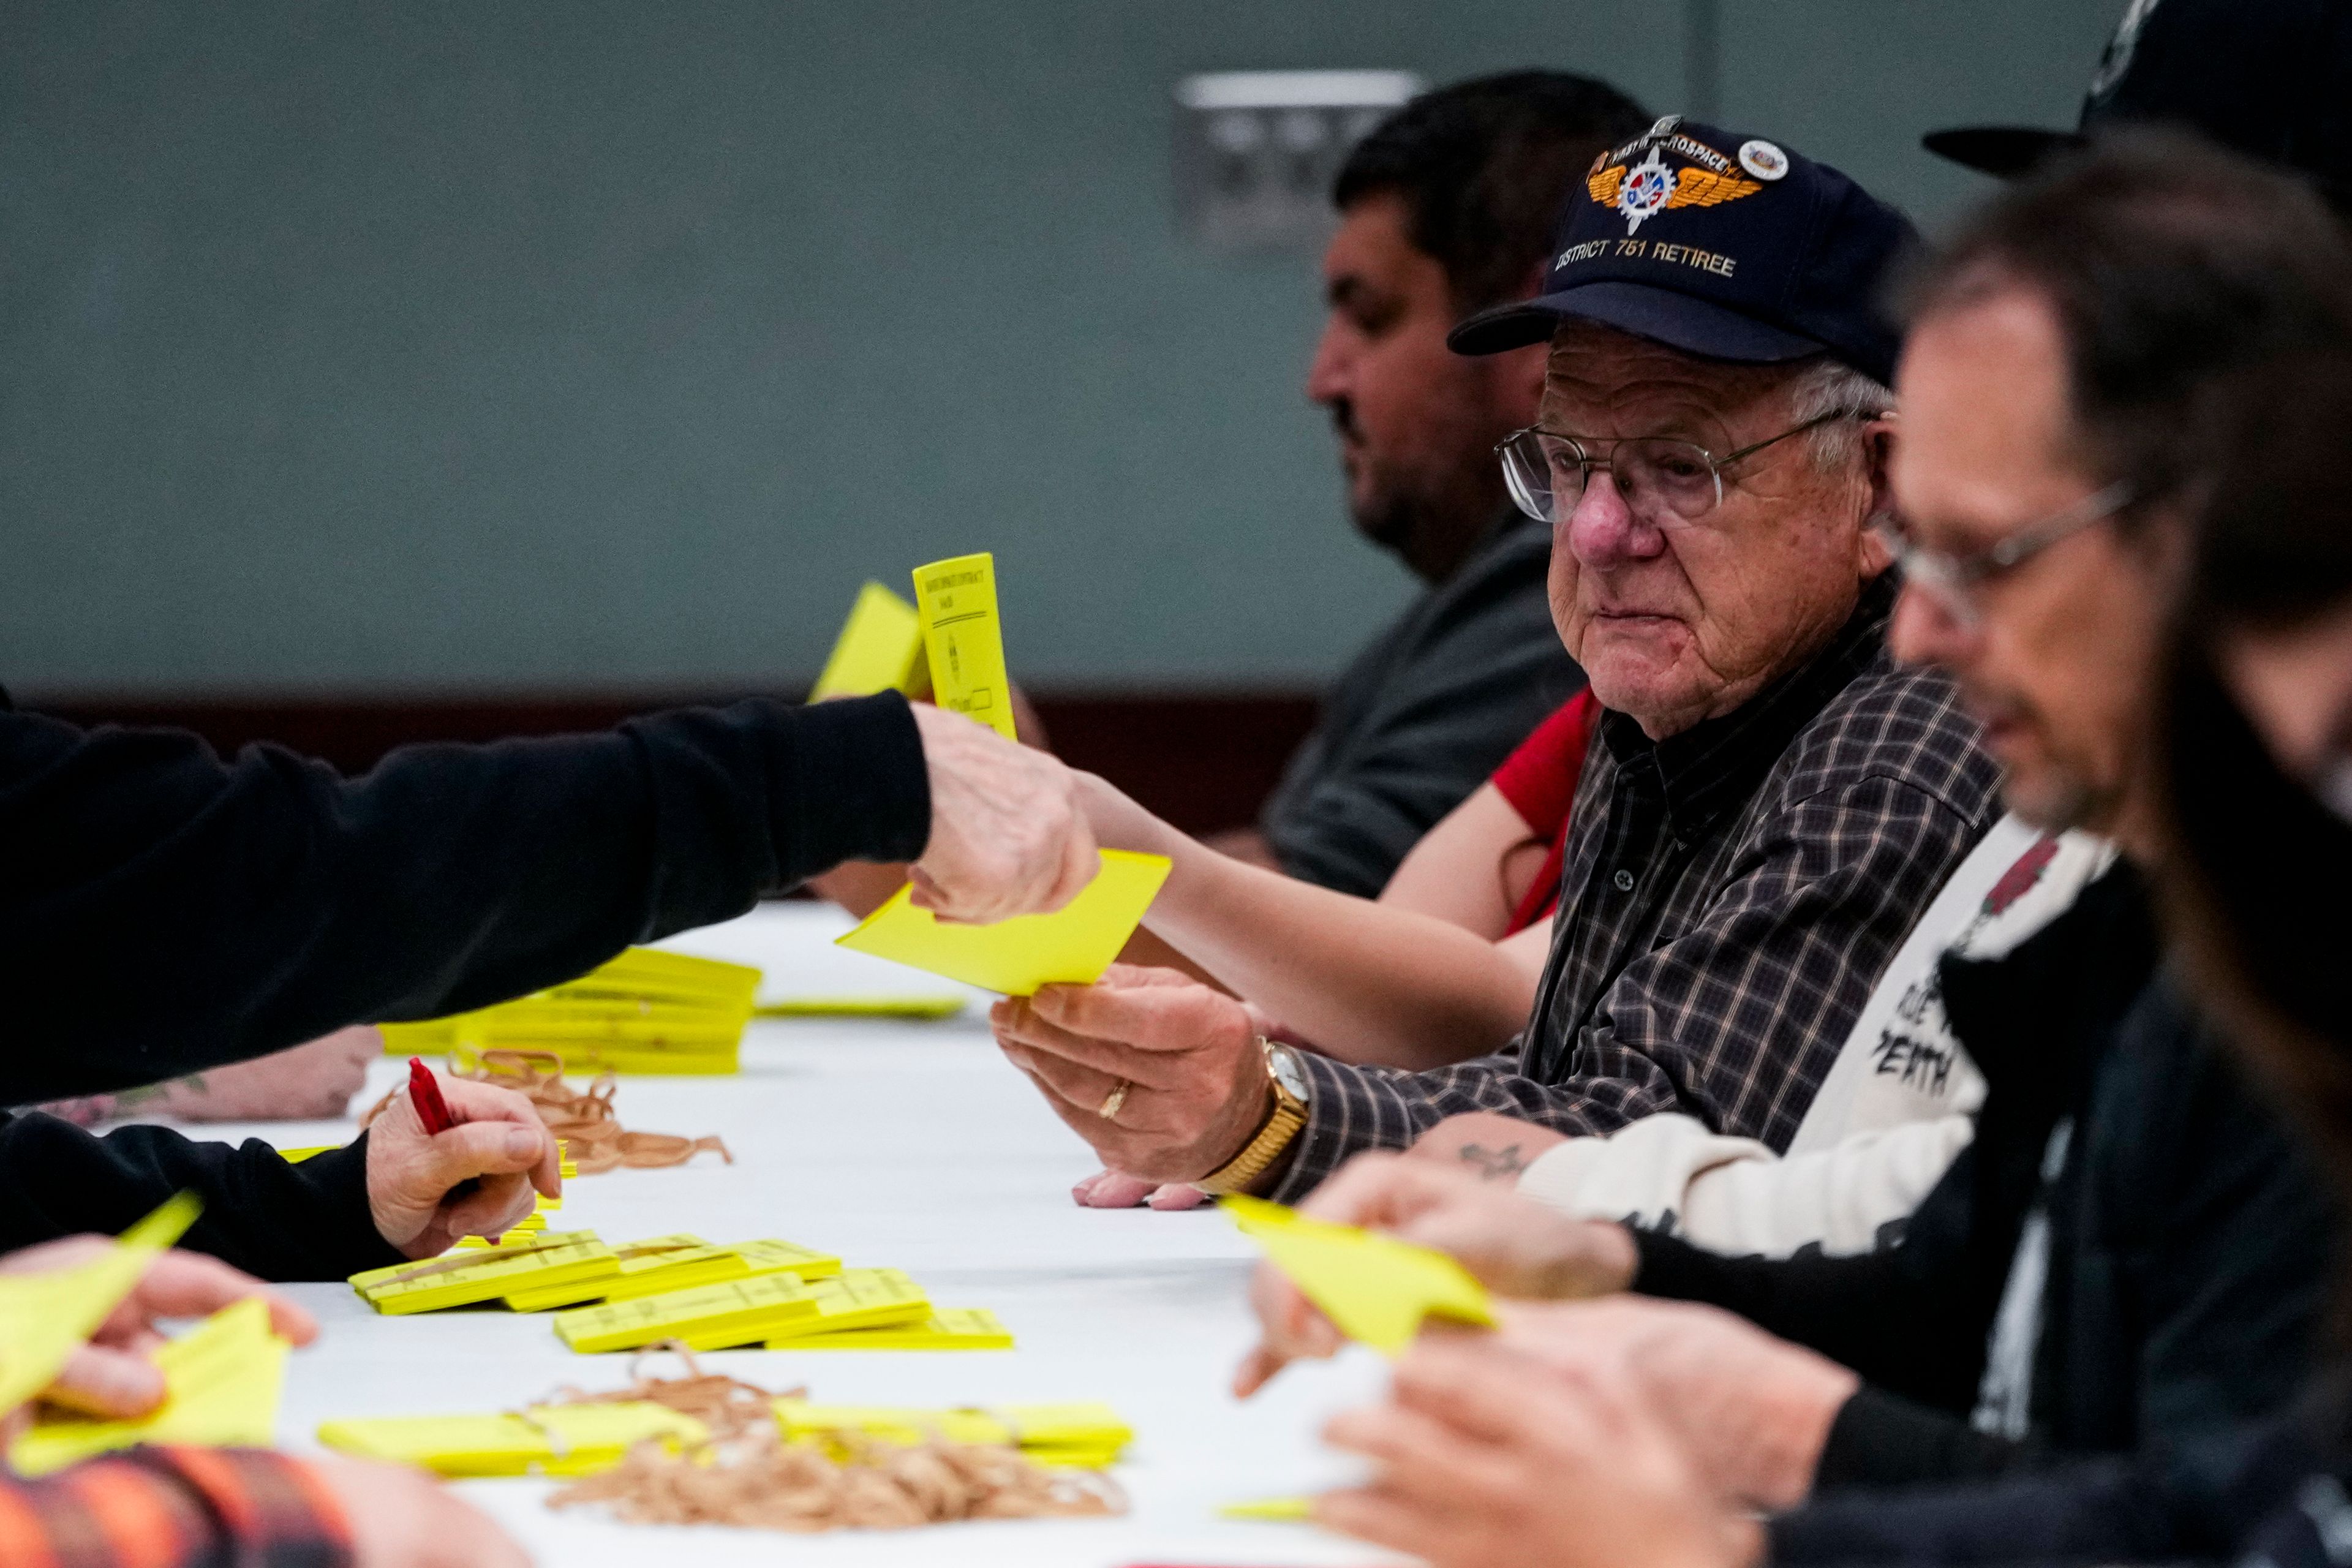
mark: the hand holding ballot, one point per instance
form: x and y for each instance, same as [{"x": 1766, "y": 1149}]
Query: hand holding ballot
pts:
[
  {"x": 1146, "y": 1065},
  {"x": 1007, "y": 835},
  {"x": 1512, "y": 1245},
  {"x": 113, "y": 1374},
  {"x": 498, "y": 1143}
]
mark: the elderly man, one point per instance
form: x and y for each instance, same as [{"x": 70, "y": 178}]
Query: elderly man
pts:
[
  {"x": 2133, "y": 1254},
  {"x": 1771, "y": 803}
]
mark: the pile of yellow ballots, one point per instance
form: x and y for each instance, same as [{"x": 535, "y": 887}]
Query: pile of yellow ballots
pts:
[
  {"x": 580, "y": 1439},
  {"x": 646, "y": 1011},
  {"x": 619, "y": 1297}
]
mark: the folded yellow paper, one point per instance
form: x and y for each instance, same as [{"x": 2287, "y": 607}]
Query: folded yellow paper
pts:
[
  {"x": 957, "y": 601},
  {"x": 880, "y": 649},
  {"x": 1072, "y": 946},
  {"x": 1373, "y": 1287},
  {"x": 647, "y": 1010},
  {"x": 44, "y": 1317},
  {"x": 709, "y": 1317},
  {"x": 947, "y": 1329},
  {"x": 222, "y": 1383},
  {"x": 547, "y": 1439}
]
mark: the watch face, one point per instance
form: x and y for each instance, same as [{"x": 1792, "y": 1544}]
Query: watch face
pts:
[{"x": 1283, "y": 1062}]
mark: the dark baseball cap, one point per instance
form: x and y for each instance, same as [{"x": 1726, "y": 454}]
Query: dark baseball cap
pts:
[
  {"x": 1721, "y": 245},
  {"x": 2272, "y": 79}
]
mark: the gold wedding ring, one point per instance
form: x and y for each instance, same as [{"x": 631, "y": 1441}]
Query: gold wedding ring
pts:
[{"x": 1109, "y": 1110}]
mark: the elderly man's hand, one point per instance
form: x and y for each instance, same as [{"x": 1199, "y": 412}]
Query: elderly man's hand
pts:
[
  {"x": 112, "y": 1376},
  {"x": 1750, "y": 1411},
  {"x": 1483, "y": 1458},
  {"x": 1196, "y": 1087},
  {"x": 1515, "y": 1246},
  {"x": 1007, "y": 835},
  {"x": 499, "y": 1144}
]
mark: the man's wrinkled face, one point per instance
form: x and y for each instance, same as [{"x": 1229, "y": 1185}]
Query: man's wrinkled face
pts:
[
  {"x": 1677, "y": 621},
  {"x": 2058, "y": 665},
  {"x": 1417, "y": 422}
]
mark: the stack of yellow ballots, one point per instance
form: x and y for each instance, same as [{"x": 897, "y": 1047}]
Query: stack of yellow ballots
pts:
[
  {"x": 646, "y": 1011},
  {"x": 1085, "y": 1437},
  {"x": 616, "y": 1297},
  {"x": 580, "y": 1439},
  {"x": 544, "y": 1440}
]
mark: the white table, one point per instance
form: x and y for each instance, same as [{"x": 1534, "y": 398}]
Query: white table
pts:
[{"x": 912, "y": 1146}]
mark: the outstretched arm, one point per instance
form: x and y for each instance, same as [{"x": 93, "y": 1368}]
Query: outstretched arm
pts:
[{"x": 1372, "y": 982}]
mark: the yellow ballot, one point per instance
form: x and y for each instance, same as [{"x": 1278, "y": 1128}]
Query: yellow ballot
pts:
[
  {"x": 853, "y": 1298},
  {"x": 880, "y": 649},
  {"x": 546, "y": 1439},
  {"x": 1271, "y": 1509},
  {"x": 947, "y": 1329},
  {"x": 957, "y": 602},
  {"x": 468, "y": 1278},
  {"x": 1086, "y": 1434},
  {"x": 1071, "y": 946},
  {"x": 1373, "y": 1287},
  {"x": 222, "y": 1381},
  {"x": 708, "y": 1317},
  {"x": 44, "y": 1317},
  {"x": 663, "y": 1263}
]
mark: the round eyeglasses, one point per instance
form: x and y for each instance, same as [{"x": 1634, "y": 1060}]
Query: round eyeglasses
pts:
[{"x": 1662, "y": 479}]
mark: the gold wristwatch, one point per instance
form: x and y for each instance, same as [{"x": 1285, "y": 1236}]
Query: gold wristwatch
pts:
[{"x": 1289, "y": 1082}]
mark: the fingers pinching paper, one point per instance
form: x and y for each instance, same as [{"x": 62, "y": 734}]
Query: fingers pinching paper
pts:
[
  {"x": 1071, "y": 946},
  {"x": 1375, "y": 1289},
  {"x": 44, "y": 1317}
]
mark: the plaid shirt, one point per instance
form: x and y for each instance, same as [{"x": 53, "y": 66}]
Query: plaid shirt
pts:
[
  {"x": 1729, "y": 897},
  {"x": 176, "y": 1508}
]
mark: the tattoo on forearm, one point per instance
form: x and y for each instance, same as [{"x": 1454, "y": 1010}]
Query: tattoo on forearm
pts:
[{"x": 1494, "y": 1165}]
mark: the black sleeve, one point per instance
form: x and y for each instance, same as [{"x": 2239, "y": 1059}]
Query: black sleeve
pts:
[
  {"x": 1909, "y": 1318},
  {"x": 2206, "y": 1502},
  {"x": 165, "y": 911},
  {"x": 272, "y": 1219},
  {"x": 1886, "y": 1313}
]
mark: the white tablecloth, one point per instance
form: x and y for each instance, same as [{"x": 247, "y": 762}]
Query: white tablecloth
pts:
[{"x": 912, "y": 1146}]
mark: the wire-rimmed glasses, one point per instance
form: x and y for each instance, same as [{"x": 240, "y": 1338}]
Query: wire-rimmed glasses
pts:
[{"x": 1663, "y": 479}]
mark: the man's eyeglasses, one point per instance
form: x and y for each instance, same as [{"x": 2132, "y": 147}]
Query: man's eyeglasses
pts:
[
  {"x": 1661, "y": 478},
  {"x": 1953, "y": 578}
]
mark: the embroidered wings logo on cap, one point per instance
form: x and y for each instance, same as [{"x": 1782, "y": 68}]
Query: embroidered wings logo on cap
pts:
[{"x": 1649, "y": 188}]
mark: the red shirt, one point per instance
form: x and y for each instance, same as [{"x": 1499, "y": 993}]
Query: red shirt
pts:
[{"x": 1539, "y": 781}]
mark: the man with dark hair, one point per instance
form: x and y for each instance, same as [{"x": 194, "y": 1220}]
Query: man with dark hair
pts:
[{"x": 1446, "y": 208}]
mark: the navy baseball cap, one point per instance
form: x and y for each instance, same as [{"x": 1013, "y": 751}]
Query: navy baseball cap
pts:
[
  {"x": 2272, "y": 79},
  {"x": 1723, "y": 245}
]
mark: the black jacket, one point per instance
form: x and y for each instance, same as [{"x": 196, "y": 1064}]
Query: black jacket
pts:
[
  {"x": 162, "y": 911},
  {"x": 2275, "y": 1492},
  {"x": 2190, "y": 1243}
]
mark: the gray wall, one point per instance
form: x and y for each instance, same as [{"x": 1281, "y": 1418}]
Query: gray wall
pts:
[{"x": 547, "y": 344}]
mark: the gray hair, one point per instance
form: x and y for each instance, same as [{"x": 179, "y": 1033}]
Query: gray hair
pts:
[{"x": 1828, "y": 387}]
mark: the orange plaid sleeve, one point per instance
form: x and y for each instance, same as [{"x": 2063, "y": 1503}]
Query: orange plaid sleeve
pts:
[{"x": 174, "y": 1508}]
